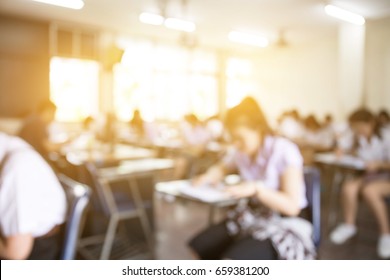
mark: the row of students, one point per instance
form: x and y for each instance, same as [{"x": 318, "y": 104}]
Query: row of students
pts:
[
  {"x": 372, "y": 144},
  {"x": 322, "y": 136}
]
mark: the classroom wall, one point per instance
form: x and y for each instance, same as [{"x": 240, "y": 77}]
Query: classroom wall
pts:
[
  {"x": 303, "y": 77},
  {"x": 378, "y": 64},
  {"x": 24, "y": 65}
]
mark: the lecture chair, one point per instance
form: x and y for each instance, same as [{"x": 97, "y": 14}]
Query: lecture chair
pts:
[{"x": 78, "y": 196}]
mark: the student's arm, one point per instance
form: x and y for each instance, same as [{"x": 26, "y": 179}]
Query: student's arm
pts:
[
  {"x": 16, "y": 247},
  {"x": 284, "y": 201},
  {"x": 213, "y": 175}
]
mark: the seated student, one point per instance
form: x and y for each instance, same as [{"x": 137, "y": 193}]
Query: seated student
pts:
[
  {"x": 195, "y": 134},
  {"x": 373, "y": 184},
  {"x": 214, "y": 126},
  {"x": 315, "y": 136},
  {"x": 137, "y": 124},
  {"x": 35, "y": 128},
  {"x": 272, "y": 171},
  {"x": 290, "y": 126},
  {"x": 383, "y": 119},
  {"x": 33, "y": 203}
]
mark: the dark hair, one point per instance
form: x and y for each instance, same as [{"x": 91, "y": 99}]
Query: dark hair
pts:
[
  {"x": 249, "y": 114},
  {"x": 383, "y": 117},
  {"x": 312, "y": 123},
  {"x": 366, "y": 116},
  {"x": 46, "y": 105}
]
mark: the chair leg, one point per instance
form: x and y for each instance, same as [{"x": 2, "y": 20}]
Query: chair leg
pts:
[
  {"x": 109, "y": 238},
  {"x": 142, "y": 213}
]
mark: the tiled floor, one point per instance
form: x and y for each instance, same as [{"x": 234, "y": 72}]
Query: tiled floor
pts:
[{"x": 177, "y": 221}]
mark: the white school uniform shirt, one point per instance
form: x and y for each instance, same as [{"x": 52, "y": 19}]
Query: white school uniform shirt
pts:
[
  {"x": 291, "y": 128},
  {"x": 32, "y": 200},
  {"x": 378, "y": 149}
]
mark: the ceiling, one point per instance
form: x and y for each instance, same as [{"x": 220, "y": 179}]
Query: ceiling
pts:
[{"x": 302, "y": 20}]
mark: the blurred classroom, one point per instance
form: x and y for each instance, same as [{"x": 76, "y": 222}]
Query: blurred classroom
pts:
[{"x": 112, "y": 111}]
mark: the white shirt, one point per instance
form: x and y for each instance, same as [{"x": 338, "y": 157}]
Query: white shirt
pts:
[
  {"x": 377, "y": 149},
  {"x": 291, "y": 128},
  {"x": 31, "y": 197}
]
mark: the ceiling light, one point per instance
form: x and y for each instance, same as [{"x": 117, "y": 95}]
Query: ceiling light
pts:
[
  {"x": 248, "y": 39},
  {"x": 71, "y": 4},
  {"x": 344, "y": 15},
  {"x": 152, "y": 19},
  {"x": 179, "y": 24}
]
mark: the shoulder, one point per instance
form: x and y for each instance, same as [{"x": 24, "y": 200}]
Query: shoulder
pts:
[{"x": 284, "y": 144}]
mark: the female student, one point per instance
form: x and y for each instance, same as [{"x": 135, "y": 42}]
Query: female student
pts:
[
  {"x": 271, "y": 169},
  {"x": 374, "y": 183}
]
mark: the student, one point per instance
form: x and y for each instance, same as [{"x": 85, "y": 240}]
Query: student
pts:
[
  {"x": 137, "y": 124},
  {"x": 315, "y": 136},
  {"x": 272, "y": 172},
  {"x": 32, "y": 203},
  {"x": 195, "y": 134},
  {"x": 373, "y": 184},
  {"x": 35, "y": 128},
  {"x": 384, "y": 121},
  {"x": 291, "y": 126}
]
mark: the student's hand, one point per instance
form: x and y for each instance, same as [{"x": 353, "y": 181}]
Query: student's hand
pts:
[
  {"x": 243, "y": 190},
  {"x": 211, "y": 177},
  {"x": 373, "y": 166}
]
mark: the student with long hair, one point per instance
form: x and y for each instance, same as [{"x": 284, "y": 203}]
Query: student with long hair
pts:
[
  {"x": 271, "y": 168},
  {"x": 373, "y": 184}
]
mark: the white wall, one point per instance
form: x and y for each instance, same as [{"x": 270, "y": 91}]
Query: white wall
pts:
[
  {"x": 302, "y": 77},
  {"x": 378, "y": 64}
]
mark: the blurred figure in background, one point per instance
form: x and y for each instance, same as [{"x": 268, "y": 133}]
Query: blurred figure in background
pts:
[
  {"x": 195, "y": 133},
  {"x": 35, "y": 128},
  {"x": 195, "y": 139},
  {"x": 317, "y": 137},
  {"x": 33, "y": 203},
  {"x": 384, "y": 121},
  {"x": 215, "y": 128},
  {"x": 291, "y": 126},
  {"x": 374, "y": 184},
  {"x": 137, "y": 124}
]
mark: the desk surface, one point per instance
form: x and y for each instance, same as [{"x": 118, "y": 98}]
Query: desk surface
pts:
[
  {"x": 103, "y": 154},
  {"x": 135, "y": 167},
  {"x": 207, "y": 195},
  {"x": 346, "y": 161}
]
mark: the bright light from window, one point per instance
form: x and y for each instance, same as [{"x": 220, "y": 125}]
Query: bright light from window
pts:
[
  {"x": 74, "y": 88},
  {"x": 344, "y": 15},
  {"x": 165, "y": 82},
  {"x": 71, "y": 4}
]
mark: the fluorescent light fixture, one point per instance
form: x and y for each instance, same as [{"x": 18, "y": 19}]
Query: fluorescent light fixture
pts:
[
  {"x": 71, "y": 4},
  {"x": 152, "y": 19},
  {"x": 248, "y": 39},
  {"x": 179, "y": 24},
  {"x": 344, "y": 15}
]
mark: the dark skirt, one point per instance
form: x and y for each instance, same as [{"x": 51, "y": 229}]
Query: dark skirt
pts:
[{"x": 215, "y": 243}]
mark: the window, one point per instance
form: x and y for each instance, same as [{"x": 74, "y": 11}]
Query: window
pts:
[
  {"x": 74, "y": 88},
  {"x": 240, "y": 81},
  {"x": 165, "y": 82}
]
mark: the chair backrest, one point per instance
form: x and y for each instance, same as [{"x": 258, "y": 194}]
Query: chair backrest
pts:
[
  {"x": 78, "y": 196},
  {"x": 313, "y": 194}
]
